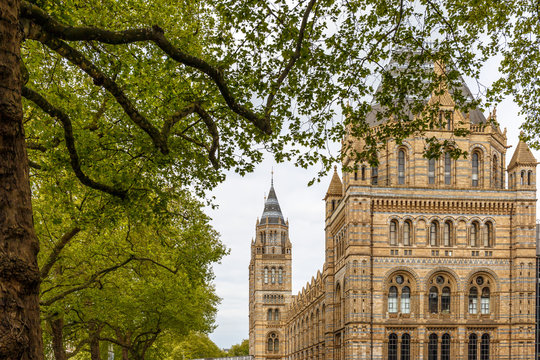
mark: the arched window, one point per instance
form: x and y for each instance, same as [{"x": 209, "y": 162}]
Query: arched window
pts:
[
  {"x": 496, "y": 172},
  {"x": 473, "y": 347},
  {"x": 273, "y": 276},
  {"x": 445, "y": 300},
  {"x": 523, "y": 178},
  {"x": 266, "y": 275},
  {"x": 405, "y": 347},
  {"x": 276, "y": 314},
  {"x": 473, "y": 300},
  {"x": 445, "y": 347},
  {"x": 406, "y": 300},
  {"x": 475, "y": 168},
  {"x": 276, "y": 345},
  {"x": 484, "y": 347},
  {"x": 392, "y": 347},
  {"x": 431, "y": 171},
  {"x": 433, "y": 300},
  {"x": 401, "y": 167},
  {"x": 447, "y": 168},
  {"x": 529, "y": 177},
  {"x": 356, "y": 175},
  {"x": 407, "y": 232},
  {"x": 338, "y": 305},
  {"x": 488, "y": 234},
  {"x": 392, "y": 299},
  {"x": 474, "y": 234},
  {"x": 270, "y": 344},
  {"x": 484, "y": 301},
  {"x": 393, "y": 232},
  {"x": 374, "y": 175},
  {"x": 434, "y": 234},
  {"x": 363, "y": 172},
  {"x": 447, "y": 235},
  {"x": 280, "y": 275},
  {"x": 432, "y": 347},
  {"x": 269, "y": 315}
]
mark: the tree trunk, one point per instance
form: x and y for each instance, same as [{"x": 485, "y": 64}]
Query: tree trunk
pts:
[
  {"x": 57, "y": 329},
  {"x": 20, "y": 330},
  {"x": 94, "y": 342}
]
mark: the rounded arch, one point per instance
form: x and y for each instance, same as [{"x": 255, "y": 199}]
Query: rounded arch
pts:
[
  {"x": 486, "y": 272},
  {"x": 488, "y": 219},
  {"x": 479, "y": 147},
  {"x": 402, "y": 269},
  {"x": 442, "y": 269},
  {"x": 470, "y": 220},
  {"x": 404, "y": 145},
  {"x": 454, "y": 221}
]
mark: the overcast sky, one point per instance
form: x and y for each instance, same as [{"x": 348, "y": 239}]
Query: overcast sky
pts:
[{"x": 241, "y": 201}]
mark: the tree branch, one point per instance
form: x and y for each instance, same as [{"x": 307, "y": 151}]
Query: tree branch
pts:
[
  {"x": 212, "y": 128},
  {"x": 56, "y": 251},
  {"x": 155, "y": 35},
  {"x": 95, "y": 277},
  {"x": 47, "y": 107}
]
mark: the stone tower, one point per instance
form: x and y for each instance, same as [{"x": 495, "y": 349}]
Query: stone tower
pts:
[{"x": 269, "y": 281}]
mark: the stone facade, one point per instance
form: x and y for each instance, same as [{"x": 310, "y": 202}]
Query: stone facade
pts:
[{"x": 424, "y": 259}]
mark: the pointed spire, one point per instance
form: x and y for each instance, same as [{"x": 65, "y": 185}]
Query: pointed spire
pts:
[
  {"x": 522, "y": 155},
  {"x": 272, "y": 211},
  {"x": 335, "y": 188}
]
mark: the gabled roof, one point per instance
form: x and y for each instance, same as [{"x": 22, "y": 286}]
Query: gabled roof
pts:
[
  {"x": 272, "y": 210},
  {"x": 522, "y": 155},
  {"x": 336, "y": 187}
]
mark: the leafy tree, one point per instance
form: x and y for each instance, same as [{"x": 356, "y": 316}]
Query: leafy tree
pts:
[
  {"x": 137, "y": 103},
  {"x": 241, "y": 349},
  {"x": 196, "y": 345}
]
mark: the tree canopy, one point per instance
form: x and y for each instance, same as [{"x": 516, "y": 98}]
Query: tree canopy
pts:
[{"x": 133, "y": 110}]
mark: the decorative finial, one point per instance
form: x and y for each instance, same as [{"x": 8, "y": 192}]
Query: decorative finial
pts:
[
  {"x": 335, "y": 168},
  {"x": 272, "y": 178}
]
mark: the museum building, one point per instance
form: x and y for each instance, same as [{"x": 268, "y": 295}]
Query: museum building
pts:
[{"x": 424, "y": 259}]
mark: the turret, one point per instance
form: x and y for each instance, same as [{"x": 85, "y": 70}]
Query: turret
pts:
[
  {"x": 333, "y": 194},
  {"x": 522, "y": 168}
]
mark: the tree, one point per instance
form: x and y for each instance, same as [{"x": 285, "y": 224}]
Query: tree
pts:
[
  {"x": 235, "y": 77},
  {"x": 196, "y": 346},
  {"x": 241, "y": 349}
]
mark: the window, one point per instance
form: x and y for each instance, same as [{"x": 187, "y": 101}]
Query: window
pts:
[
  {"x": 364, "y": 172},
  {"x": 273, "y": 343},
  {"x": 449, "y": 118},
  {"x": 273, "y": 277},
  {"x": 484, "y": 301},
  {"x": 473, "y": 347},
  {"x": 392, "y": 347},
  {"x": 496, "y": 172},
  {"x": 266, "y": 275},
  {"x": 374, "y": 175},
  {"x": 488, "y": 235},
  {"x": 473, "y": 300},
  {"x": 431, "y": 171},
  {"x": 445, "y": 347},
  {"x": 356, "y": 175},
  {"x": 401, "y": 167},
  {"x": 392, "y": 300},
  {"x": 406, "y": 300},
  {"x": 484, "y": 347},
  {"x": 447, "y": 235},
  {"x": 447, "y": 168},
  {"x": 393, "y": 232},
  {"x": 269, "y": 315},
  {"x": 280, "y": 275},
  {"x": 405, "y": 347},
  {"x": 276, "y": 314},
  {"x": 474, "y": 234},
  {"x": 475, "y": 166},
  {"x": 407, "y": 233},
  {"x": 529, "y": 177},
  {"x": 523, "y": 178},
  {"x": 432, "y": 347},
  {"x": 433, "y": 300},
  {"x": 434, "y": 233},
  {"x": 445, "y": 300}
]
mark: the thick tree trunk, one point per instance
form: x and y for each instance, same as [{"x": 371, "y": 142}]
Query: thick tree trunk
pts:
[
  {"x": 20, "y": 331},
  {"x": 94, "y": 342},
  {"x": 57, "y": 329}
]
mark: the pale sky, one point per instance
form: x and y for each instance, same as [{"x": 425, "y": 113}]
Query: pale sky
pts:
[{"x": 241, "y": 201}]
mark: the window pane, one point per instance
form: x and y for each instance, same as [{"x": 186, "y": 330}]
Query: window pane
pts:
[
  {"x": 406, "y": 300},
  {"x": 445, "y": 347},
  {"x": 392, "y": 347},
  {"x": 433, "y": 234},
  {"x": 473, "y": 300},
  {"x": 276, "y": 345},
  {"x": 374, "y": 175},
  {"x": 407, "y": 233},
  {"x": 447, "y": 169},
  {"x": 484, "y": 347},
  {"x": 475, "y": 169},
  {"x": 432, "y": 347},
  {"x": 473, "y": 347},
  {"x": 270, "y": 345},
  {"x": 392, "y": 300},
  {"x": 405, "y": 347},
  {"x": 484, "y": 301},
  {"x": 488, "y": 238},
  {"x": 401, "y": 167},
  {"x": 433, "y": 300},
  {"x": 431, "y": 171},
  {"x": 445, "y": 300},
  {"x": 474, "y": 233},
  {"x": 393, "y": 232},
  {"x": 447, "y": 233}
]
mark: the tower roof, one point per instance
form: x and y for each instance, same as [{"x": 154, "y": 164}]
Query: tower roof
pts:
[
  {"x": 272, "y": 210},
  {"x": 335, "y": 188},
  {"x": 522, "y": 155}
]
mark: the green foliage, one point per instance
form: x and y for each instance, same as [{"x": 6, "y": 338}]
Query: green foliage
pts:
[
  {"x": 241, "y": 349},
  {"x": 196, "y": 345}
]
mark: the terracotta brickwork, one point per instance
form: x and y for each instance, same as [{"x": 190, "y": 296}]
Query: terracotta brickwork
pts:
[{"x": 424, "y": 259}]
